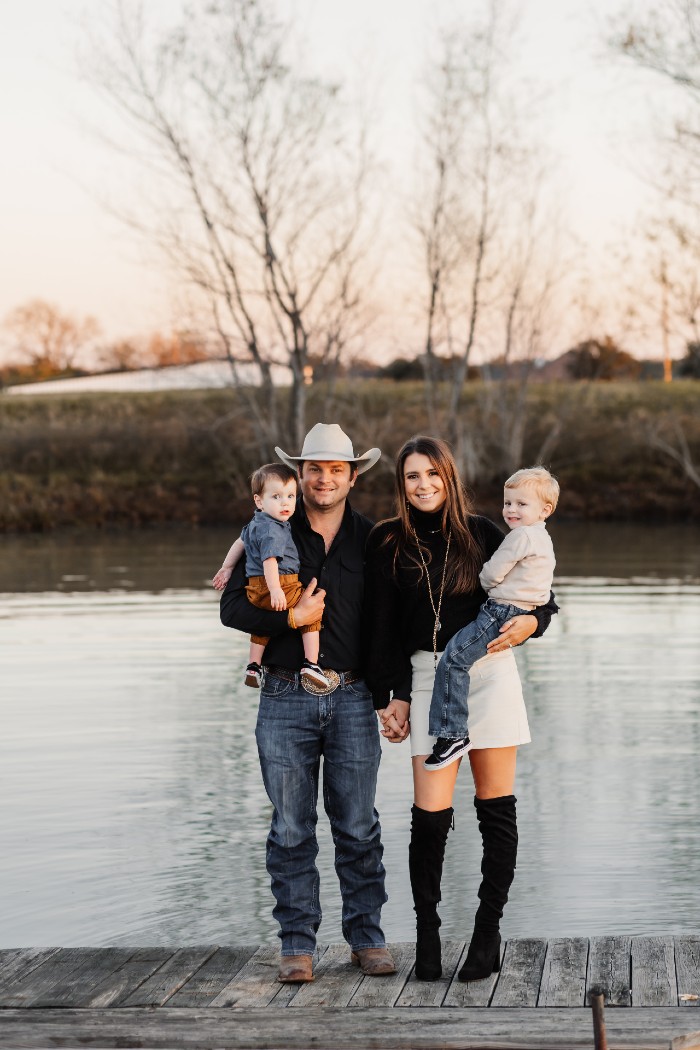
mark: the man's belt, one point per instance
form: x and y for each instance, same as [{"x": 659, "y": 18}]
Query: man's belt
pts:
[{"x": 336, "y": 678}]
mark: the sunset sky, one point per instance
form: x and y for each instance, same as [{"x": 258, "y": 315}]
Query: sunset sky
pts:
[{"x": 60, "y": 244}]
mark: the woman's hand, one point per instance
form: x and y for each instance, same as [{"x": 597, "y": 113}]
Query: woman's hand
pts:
[
  {"x": 514, "y": 631},
  {"x": 395, "y": 719}
]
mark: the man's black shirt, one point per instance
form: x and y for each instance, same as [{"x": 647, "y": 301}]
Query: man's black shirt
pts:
[{"x": 340, "y": 573}]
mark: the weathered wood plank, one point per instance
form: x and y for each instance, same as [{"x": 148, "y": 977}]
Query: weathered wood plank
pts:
[
  {"x": 78, "y": 985},
  {"x": 336, "y": 980},
  {"x": 390, "y": 1029},
  {"x": 463, "y": 994},
  {"x": 14, "y": 962},
  {"x": 377, "y": 992},
  {"x": 521, "y": 972},
  {"x": 609, "y": 968},
  {"x": 688, "y": 969},
  {"x": 653, "y": 972},
  {"x": 564, "y": 974},
  {"x": 170, "y": 977},
  {"x": 686, "y": 1042},
  {"x": 255, "y": 984},
  {"x": 432, "y": 993},
  {"x": 125, "y": 979},
  {"x": 203, "y": 987},
  {"x": 8, "y": 956},
  {"x": 31, "y": 985}
]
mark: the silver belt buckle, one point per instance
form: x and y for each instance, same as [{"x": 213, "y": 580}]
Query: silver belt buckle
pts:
[{"x": 322, "y": 690}]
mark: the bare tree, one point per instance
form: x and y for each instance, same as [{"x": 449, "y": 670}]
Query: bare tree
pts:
[
  {"x": 47, "y": 339},
  {"x": 476, "y": 221},
  {"x": 665, "y": 42},
  {"x": 455, "y": 220},
  {"x": 528, "y": 278},
  {"x": 260, "y": 181}
]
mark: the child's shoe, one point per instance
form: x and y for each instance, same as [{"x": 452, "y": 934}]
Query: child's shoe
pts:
[
  {"x": 253, "y": 675},
  {"x": 445, "y": 752},
  {"x": 313, "y": 674}
]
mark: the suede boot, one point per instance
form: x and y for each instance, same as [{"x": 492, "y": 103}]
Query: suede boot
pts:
[
  {"x": 499, "y": 833},
  {"x": 426, "y": 854}
]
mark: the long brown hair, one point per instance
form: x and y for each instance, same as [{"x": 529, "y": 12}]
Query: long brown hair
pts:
[{"x": 466, "y": 557}]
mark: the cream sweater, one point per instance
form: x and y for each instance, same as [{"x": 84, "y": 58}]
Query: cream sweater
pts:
[{"x": 520, "y": 571}]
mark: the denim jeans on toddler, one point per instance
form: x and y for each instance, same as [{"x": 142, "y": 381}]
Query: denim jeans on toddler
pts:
[{"x": 449, "y": 706}]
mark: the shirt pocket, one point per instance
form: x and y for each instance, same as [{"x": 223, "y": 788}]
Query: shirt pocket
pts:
[{"x": 352, "y": 569}]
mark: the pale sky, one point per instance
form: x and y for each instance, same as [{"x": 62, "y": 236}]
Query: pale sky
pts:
[{"x": 59, "y": 244}]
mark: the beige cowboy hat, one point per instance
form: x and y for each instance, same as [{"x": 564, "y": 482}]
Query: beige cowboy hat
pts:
[{"x": 326, "y": 442}]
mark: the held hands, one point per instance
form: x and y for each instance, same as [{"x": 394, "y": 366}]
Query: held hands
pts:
[
  {"x": 513, "y": 632},
  {"x": 309, "y": 608},
  {"x": 278, "y": 599},
  {"x": 395, "y": 719},
  {"x": 221, "y": 579}
]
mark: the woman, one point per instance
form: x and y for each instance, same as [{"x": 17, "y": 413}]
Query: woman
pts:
[{"x": 422, "y": 586}]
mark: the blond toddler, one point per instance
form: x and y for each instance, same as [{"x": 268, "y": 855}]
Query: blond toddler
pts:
[{"x": 517, "y": 578}]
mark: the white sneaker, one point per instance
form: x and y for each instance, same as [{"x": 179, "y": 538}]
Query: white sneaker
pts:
[{"x": 313, "y": 673}]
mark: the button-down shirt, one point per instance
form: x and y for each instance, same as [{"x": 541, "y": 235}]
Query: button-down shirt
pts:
[
  {"x": 265, "y": 537},
  {"x": 340, "y": 572}
]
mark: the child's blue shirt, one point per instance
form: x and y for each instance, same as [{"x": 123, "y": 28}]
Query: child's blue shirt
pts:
[{"x": 265, "y": 537}]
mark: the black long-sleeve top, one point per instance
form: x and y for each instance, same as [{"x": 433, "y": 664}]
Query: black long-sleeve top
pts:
[
  {"x": 339, "y": 573},
  {"x": 399, "y": 618}
]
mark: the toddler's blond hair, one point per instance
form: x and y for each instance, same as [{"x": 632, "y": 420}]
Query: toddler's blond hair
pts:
[{"x": 538, "y": 478}]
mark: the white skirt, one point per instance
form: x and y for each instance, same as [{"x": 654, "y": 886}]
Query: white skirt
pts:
[{"x": 497, "y": 715}]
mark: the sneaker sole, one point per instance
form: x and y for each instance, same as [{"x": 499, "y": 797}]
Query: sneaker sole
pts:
[
  {"x": 312, "y": 676},
  {"x": 434, "y": 766}
]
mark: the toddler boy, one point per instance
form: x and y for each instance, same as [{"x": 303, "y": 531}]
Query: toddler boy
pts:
[
  {"x": 517, "y": 578},
  {"x": 272, "y": 566}
]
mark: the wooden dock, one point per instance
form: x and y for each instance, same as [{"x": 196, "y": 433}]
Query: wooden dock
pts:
[{"x": 228, "y": 997}]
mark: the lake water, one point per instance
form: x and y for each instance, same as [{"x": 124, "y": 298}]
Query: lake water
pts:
[{"x": 131, "y": 804}]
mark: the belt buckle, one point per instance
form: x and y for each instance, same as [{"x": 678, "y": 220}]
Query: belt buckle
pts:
[{"x": 322, "y": 690}]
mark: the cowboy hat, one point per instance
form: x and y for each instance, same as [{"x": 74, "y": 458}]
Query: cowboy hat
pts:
[{"x": 327, "y": 443}]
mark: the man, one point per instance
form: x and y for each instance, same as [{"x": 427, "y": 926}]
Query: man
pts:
[{"x": 296, "y": 726}]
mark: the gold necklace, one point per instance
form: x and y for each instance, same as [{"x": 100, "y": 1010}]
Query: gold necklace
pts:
[{"x": 436, "y": 612}]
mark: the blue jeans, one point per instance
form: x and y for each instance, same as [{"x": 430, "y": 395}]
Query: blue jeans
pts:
[
  {"x": 449, "y": 706},
  {"x": 294, "y": 730}
]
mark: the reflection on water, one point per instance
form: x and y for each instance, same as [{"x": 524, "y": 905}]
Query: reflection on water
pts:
[
  {"x": 156, "y": 559},
  {"x": 130, "y": 796}
]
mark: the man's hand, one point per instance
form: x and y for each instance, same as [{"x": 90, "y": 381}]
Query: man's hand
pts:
[
  {"x": 395, "y": 719},
  {"x": 309, "y": 608},
  {"x": 278, "y": 599},
  {"x": 513, "y": 632}
]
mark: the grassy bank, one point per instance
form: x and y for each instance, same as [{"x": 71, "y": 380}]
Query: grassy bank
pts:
[{"x": 184, "y": 456}]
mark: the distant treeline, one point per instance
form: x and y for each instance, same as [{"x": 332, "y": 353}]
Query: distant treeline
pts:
[{"x": 620, "y": 450}]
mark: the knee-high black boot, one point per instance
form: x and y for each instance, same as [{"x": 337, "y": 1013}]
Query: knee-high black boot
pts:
[
  {"x": 426, "y": 854},
  {"x": 499, "y": 833}
]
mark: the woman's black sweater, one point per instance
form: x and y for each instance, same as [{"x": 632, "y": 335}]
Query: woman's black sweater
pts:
[{"x": 399, "y": 618}]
